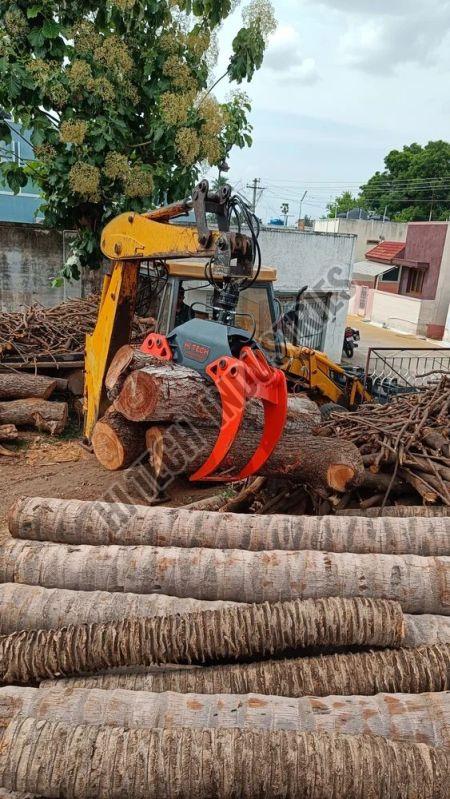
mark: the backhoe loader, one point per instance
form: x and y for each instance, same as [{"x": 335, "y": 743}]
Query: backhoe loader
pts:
[{"x": 211, "y": 306}]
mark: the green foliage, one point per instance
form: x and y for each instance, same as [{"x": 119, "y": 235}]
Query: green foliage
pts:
[
  {"x": 345, "y": 202},
  {"x": 116, "y": 94},
  {"x": 414, "y": 184}
]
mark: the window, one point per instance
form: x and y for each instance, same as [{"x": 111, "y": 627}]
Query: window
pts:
[
  {"x": 415, "y": 281},
  {"x": 390, "y": 277}
]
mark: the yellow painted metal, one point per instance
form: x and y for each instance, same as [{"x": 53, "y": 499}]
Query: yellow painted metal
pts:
[
  {"x": 133, "y": 235},
  {"x": 113, "y": 329}
]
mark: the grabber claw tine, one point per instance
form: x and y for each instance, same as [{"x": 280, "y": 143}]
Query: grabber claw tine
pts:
[{"x": 228, "y": 375}]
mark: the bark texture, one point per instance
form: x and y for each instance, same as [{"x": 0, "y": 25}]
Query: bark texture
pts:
[
  {"x": 116, "y": 442},
  {"x": 81, "y": 522},
  {"x": 419, "y": 584},
  {"x": 108, "y": 762},
  {"x": 30, "y": 607},
  {"x": 412, "y": 671},
  {"x": 426, "y": 630},
  {"x": 320, "y": 462},
  {"x": 22, "y": 386},
  {"x": 234, "y": 633},
  {"x": 50, "y": 417},
  {"x": 399, "y": 511},
  {"x": 418, "y": 718}
]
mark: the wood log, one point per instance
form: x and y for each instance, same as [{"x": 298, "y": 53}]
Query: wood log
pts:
[
  {"x": 110, "y": 762},
  {"x": 116, "y": 442},
  {"x": 61, "y": 384},
  {"x": 320, "y": 462},
  {"x": 126, "y": 360},
  {"x": 398, "y": 511},
  {"x": 49, "y": 417},
  {"x": 22, "y": 386},
  {"x": 165, "y": 392},
  {"x": 233, "y": 633},
  {"x": 214, "y": 502},
  {"x": 8, "y": 432},
  {"x": 27, "y": 607},
  {"x": 417, "y": 718},
  {"x": 419, "y": 584},
  {"x": 362, "y": 673},
  {"x": 76, "y": 521},
  {"x": 426, "y": 630},
  {"x": 75, "y": 382}
]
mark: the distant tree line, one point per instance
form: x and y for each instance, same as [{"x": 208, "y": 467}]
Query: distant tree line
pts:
[{"x": 414, "y": 186}]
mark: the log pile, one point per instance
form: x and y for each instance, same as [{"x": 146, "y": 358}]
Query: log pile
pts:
[
  {"x": 26, "y": 401},
  {"x": 174, "y": 414},
  {"x": 255, "y": 653}
]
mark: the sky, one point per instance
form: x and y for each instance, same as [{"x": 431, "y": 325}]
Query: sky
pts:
[{"x": 343, "y": 83}]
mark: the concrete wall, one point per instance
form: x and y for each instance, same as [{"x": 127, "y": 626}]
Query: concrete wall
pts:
[
  {"x": 30, "y": 256},
  {"x": 395, "y": 311},
  {"x": 369, "y": 232},
  {"x": 323, "y": 262},
  {"x": 433, "y": 314}
]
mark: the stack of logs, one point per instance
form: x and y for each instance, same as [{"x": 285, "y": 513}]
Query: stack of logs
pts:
[
  {"x": 171, "y": 653},
  {"x": 170, "y": 415},
  {"x": 25, "y": 402}
]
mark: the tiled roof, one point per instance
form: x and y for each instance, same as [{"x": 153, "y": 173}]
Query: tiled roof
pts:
[{"x": 386, "y": 251}]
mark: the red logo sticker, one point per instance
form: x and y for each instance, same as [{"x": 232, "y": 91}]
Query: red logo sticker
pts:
[{"x": 198, "y": 352}]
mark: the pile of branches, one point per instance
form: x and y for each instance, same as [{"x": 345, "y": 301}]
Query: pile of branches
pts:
[
  {"x": 404, "y": 446},
  {"x": 38, "y": 333}
]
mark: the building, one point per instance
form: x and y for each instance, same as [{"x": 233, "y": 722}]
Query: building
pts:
[
  {"x": 21, "y": 207},
  {"x": 323, "y": 262},
  {"x": 368, "y": 232},
  {"x": 405, "y": 285}
]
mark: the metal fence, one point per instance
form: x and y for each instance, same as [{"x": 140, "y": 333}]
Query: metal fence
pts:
[
  {"x": 394, "y": 371},
  {"x": 313, "y": 317}
]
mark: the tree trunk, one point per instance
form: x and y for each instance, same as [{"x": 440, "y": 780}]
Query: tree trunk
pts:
[
  {"x": 416, "y": 718},
  {"x": 412, "y": 671},
  {"x": 426, "y": 630},
  {"x": 400, "y": 511},
  {"x": 233, "y": 633},
  {"x": 165, "y": 392},
  {"x": 116, "y": 442},
  {"x": 75, "y": 382},
  {"x": 22, "y": 386},
  {"x": 110, "y": 762},
  {"x": 126, "y": 360},
  {"x": 320, "y": 462},
  {"x": 27, "y": 607},
  {"x": 76, "y": 521},
  {"x": 49, "y": 417},
  {"x": 8, "y": 432},
  {"x": 419, "y": 584}
]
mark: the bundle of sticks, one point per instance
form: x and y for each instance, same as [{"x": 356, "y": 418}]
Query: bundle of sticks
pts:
[
  {"x": 404, "y": 446},
  {"x": 37, "y": 332}
]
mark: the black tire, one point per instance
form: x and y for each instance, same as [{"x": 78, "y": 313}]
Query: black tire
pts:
[{"x": 348, "y": 349}]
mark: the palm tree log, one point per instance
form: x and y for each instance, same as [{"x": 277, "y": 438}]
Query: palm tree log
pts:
[
  {"x": 411, "y": 671},
  {"x": 418, "y": 718},
  {"x": 74, "y": 521},
  {"x": 231, "y": 634},
  {"x": 110, "y": 762},
  {"x": 419, "y": 584}
]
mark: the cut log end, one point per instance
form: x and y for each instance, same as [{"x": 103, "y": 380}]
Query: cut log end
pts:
[
  {"x": 138, "y": 397},
  {"x": 121, "y": 361},
  {"x": 117, "y": 443},
  {"x": 340, "y": 477}
]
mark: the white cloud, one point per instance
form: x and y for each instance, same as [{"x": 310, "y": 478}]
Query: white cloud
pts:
[
  {"x": 284, "y": 57},
  {"x": 382, "y": 34}
]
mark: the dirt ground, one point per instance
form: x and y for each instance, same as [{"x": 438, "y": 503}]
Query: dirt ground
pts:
[{"x": 63, "y": 468}]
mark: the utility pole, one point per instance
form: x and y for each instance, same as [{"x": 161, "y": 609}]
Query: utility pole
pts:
[
  {"x": 255, "y": 185},
  {"x": 301, "y": 203}
]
